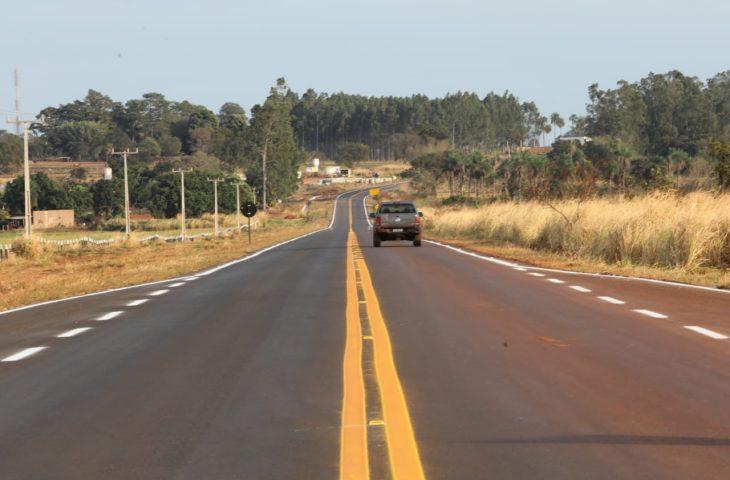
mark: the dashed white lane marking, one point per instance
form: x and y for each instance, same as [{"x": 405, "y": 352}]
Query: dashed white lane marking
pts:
[
  {"x": 580, "y": 289},
  {"x": 554, "y": 280},
  {"x": 535, "y": 274},
  {"x": 615, "y": 301},
  {"x": 109, "y": 316},
  {"x": 157, "y": 293},
  {"x": 707, "y": 332},
  {"x": 174, "y": 285},
  {"x": 520, "y": 269},
  {"x": 23, "y": 354},
  {"x": 134, "y": 303},
  {"x": 73, "y": 333},
  {"x": 650, "y": 313}
]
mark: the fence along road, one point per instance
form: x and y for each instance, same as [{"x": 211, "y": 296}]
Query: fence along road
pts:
[{"x": 238, "y": 373}]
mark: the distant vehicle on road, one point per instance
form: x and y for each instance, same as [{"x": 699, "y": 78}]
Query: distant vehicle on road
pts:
[{"x": 396, "y": 221}]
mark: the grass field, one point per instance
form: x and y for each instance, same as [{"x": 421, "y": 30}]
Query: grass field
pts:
[{"x": 683, "y": 238}]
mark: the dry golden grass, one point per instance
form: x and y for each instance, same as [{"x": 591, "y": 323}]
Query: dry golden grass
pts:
[
  {"x": 684, "y": 238},
  {"x": 48, "y": 275}
]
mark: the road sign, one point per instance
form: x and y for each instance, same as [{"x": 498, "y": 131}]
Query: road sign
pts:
[
  {"x": 374, "y": 192},
  {"x": 249, "y": 209}
]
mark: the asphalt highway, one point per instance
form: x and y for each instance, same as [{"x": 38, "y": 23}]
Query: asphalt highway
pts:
[{"x": 326, "y": 358}]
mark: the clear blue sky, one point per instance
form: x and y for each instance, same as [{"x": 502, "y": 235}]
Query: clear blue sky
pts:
[{"x": 214, "y": 51}]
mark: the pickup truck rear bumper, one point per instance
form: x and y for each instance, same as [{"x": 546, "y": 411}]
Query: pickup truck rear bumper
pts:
[{"x": 405, "y": 233}]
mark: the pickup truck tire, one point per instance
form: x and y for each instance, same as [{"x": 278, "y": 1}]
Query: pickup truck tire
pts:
[
  {"x": 376, "y": 241},
  {"x": 416, "y": 243}
]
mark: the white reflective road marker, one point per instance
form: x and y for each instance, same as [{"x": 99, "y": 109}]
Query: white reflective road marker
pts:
[
  {"x": 554, "y": 280},
  {"x": 109, "y": 316},
  {"x": 706, "y": 332},
  {"x": 134, "y": 303},
  {"x": 158, "y": 292},
  {"x": 23, "y": 354},
  {"x": 612, "y": 300},
  {"x": 178, "y": 284},
  {"x": 535, "y": 274},
  {"x": 650, "y": 313},
  {"x": 73, "y": 333},
  {"x": 580, "y": 289}
]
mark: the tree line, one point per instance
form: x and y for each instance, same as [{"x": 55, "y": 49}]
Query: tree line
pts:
[
  {"x": 651, "y": 133},
  {"x": 661, "y": 112},
  {"x": 155, "y": 190},
  {"x": 569, "y": 169}
]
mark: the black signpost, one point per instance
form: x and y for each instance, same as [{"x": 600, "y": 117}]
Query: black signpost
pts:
[{"x": 249, "y": 210}]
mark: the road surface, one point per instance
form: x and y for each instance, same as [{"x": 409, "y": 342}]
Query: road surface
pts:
[{"x": 325, "y": 358}]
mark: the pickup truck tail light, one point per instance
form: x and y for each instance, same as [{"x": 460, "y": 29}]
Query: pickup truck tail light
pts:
[
  {"x": 417, "y": 220},
  {"x": 377, "y": 221}
]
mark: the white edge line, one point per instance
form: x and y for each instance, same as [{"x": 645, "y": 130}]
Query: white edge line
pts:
[
  {"x": 650, "y": 313},
  {"x": 25, "y": 353},
  {"x": 588, "y": 274},
  {"x": 271, "y": 247},
  {"x": 367, "y": 214},
  {"x": 73, "y": 332},
  {"x": 707, "y": 332},
  {"x": 186, "y": 278},
  {"x": 175, "y": 285},
  {"x": 498, "y": 261}
]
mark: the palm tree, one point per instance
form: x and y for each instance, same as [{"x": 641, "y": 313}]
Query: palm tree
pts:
[
  {"x": 557, "y": 121},
  {"x": 542, "y": 124}
]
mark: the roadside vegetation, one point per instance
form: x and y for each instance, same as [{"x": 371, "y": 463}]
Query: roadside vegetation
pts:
[
  {"x": 661, "y": 235},
  {"x": 646, "y": 193},
  {"x": 44, "y": 273}
]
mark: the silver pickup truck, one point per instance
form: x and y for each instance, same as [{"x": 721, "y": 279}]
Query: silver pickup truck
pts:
[{"x": 397, "y": 221}]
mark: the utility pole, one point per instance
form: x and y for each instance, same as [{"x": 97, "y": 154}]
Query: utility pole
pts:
[
  {"x": 238, "y": 206},
  {"x": 215, "y": 200},
  {"x": 26, "y": 123},
  {"x": 182, "y": 173},
  {"x": 17, "y": 103},
  {"x": 263, "y": 174},
  {"x": 126, "y": 186},
  {"x": 238, "y": 201}
]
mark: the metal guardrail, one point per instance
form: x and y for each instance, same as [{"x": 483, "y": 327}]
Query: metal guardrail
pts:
[{"x": 84, "y": 241}]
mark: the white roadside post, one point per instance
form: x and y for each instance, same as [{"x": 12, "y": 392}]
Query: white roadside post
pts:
[
  {"x": 182, "y": 173},
  {"x": 215, "y": 182},
  {"x": 124, "y": 155}
]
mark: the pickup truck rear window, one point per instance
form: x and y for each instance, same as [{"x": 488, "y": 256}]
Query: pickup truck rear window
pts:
[{"x": 397, "y": 209}]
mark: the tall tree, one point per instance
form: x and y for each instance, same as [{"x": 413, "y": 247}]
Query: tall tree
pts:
[{"x": 275, "y": 157}]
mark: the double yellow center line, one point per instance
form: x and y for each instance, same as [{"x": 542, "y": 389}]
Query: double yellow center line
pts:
[{"x": 405, "y": 462}]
